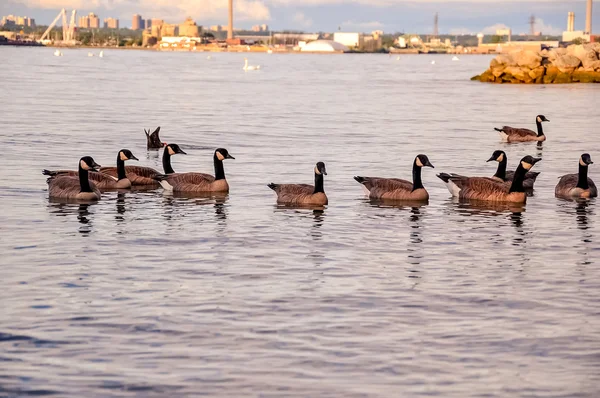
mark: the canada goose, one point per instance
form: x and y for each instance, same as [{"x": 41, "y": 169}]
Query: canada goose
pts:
[
  {"x": 483, "y": 188},
  {"x": 101, "y": 180},
  {"x": 303, "y": 194},
  {"x": 152, "y": 140},
  {"x": 80, "y": 187},
  {"x": 396, "y": 188},
  {"x": 512, "y": 134},
  {"x": 578, "y": 185},
  {"x": 144, "y": 176},
  {"x": 198, "y": 182},
  {"x": 502, "y": 175}
]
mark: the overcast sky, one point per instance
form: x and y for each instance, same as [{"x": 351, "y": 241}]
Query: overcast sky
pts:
[{"x": 455, "y": 17}]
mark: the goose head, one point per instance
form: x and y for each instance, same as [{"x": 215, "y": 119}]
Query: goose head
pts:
[
  {"x": 528, "y": 161},
  {"x": 498, "y": 156},
  {"x": 423, "y": 161},
  {"x": 222, "y": 154},
  {"x": 585, "y": 159},
  {"x": 541, "y": 118},
  {"x": 174, "y": 149},
  {"x": 87, "y": 163},
  {"x": 320, "y": 168},
  {"x": 125, "y": 154}
]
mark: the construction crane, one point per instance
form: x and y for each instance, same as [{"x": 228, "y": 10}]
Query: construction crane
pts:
[{"x": 68, "y": 29}]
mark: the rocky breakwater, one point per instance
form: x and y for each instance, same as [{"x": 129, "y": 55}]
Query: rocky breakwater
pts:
[{"x": 574, "y": 64}]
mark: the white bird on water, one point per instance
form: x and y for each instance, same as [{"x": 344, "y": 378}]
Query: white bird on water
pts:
[
  {"x": 250, "y": 67},
  {"x": 90, "y": 54},
  {"x": 455, "y": 58},
  {"x": 57, "y": 53},
  {"x": 209, "y": 57},
  {"x": 101, "y": 54},
  {"x": 432, "y": 62},
  {"x": 398, "y": 58}
]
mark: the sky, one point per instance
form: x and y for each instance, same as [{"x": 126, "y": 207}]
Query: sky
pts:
[{"x": 416, "y": 16}]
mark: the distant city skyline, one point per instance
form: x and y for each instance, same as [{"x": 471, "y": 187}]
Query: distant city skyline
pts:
[{"x": 455, "y": 16}]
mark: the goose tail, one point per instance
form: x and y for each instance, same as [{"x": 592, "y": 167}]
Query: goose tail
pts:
[
  {"x": 49, "y": 173},
  {"x": 273, "y": 186},
  {"x": 359, "y": 179},
  {"x": 499, "y": 130}
]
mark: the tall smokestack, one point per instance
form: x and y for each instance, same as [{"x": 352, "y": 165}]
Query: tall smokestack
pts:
[
  {"x": 571, "y": 22},
  {"x": 230, "y": 26},
  {"x": 588, "y": 18}
]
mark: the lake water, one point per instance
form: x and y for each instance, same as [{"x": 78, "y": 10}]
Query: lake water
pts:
[{"x": 143, "y": 294}]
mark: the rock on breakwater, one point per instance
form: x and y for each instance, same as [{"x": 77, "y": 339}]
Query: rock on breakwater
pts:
[{"x": 574, "y": 64}]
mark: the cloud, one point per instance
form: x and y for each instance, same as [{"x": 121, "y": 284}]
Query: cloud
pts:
[
  {"x": 362, "y": 25},
  {"x": 302, "y": 20},
  {"x": 491, "y": 30},
  {"x": 540, "y": 26},
  {"x": 245, "y": 10}
]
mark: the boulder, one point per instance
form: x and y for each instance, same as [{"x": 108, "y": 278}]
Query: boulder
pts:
[
  {"x": 595, "y": 65},
  {"x": 562, "y": 78},
  {"x": 567, "y": 63},
  {"x": 586, "y": 77},
  {"x": 556, "y": 52},
  {"x": 505, "y": 59},
  {"x": 537, "y": 72},
  {"x": 521, "y": 74},
  {"x": 588, "y": 57},
  {"x": 527, "y": 59},
  {"x": 497, "y": 71},
  {"x": 551, "y": 73}
]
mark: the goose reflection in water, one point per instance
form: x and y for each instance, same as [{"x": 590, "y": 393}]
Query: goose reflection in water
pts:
[
  {"x": 580, "y": 213},
  {"x": 120, "y": 207},
  {"x": 415, "y": 251},
  {"x": 65, "y": 208}
]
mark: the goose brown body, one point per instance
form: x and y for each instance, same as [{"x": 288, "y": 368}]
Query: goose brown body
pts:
[
  {"x": 579, "y": 185},
  {"x": 486, "y": 189},
  {"x": 515, "y": 134},
  {"x": 146, "y": 176},
  {"x": 100, "y": 180},
  {"x": 303, "y": 194},
  {"x": 75, "y": 187},
  {"x": 199, "y": 182},
  {"x": 503, "y": 175},
  {"x": 396, "y": 188}
]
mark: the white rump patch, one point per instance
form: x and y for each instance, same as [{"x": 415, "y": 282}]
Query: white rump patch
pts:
[
  {"x": 503, "y": 135},
  {"x": 365, "y": 190}
]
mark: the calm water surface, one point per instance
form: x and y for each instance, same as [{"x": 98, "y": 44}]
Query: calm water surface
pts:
[{"x": 144, "y": 294}]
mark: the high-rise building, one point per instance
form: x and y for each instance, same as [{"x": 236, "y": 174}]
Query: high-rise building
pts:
[
  {"x": 148, "y": 24},
  {"x": 94, "y": 21},
  {"x": 264, "y": 27},
  {"x": 188, "y": 28},
  {"x": 84, "y": 22},
  {"x": 137, "y": 22},
  {"x": 111, "y": 23},
  {"x": 11, "y": 20}
]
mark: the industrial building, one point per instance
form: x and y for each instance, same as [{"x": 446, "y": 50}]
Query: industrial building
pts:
[{"x": 188, "y": 28}]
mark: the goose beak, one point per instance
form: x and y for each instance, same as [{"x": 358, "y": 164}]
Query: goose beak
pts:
[
  {"x": 546, "y": 120},
  {"x": 181, "y": 152},
  {"x": 491, "y": 159},
  {"x": 229, "y": 157},
  {"x": 535, "y": 160},
  {"x": 133, "y": 158},
  {"x": 95, "y": 167},
  {"x": 430, "y": 165}
]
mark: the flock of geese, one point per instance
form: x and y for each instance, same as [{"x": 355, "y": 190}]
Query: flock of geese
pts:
[{"x": 507, "y": 186}]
